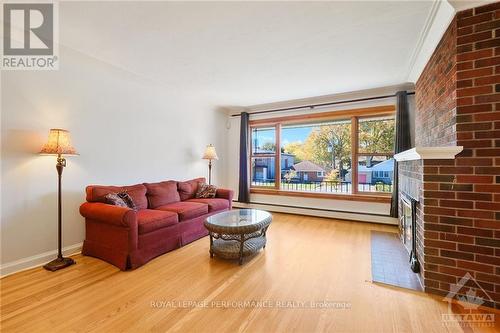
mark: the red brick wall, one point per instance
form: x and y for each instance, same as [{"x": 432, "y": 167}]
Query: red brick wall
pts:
[
  {"x": 435, "y": 100},
  {"x": 461, "y": 197}
]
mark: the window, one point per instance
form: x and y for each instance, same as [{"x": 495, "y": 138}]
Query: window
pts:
[
  {"x": 375, "y": 150},
  {"x": 263, "y": 156},
  {"x": 343, "y": 152}
]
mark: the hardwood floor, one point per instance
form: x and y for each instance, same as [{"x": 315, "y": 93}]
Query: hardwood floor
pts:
[{"x": 306, "y": 259}]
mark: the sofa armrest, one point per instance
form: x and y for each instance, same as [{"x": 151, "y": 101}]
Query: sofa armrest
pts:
[
  {"x": 114, "y": 215},
  {"x": 225, "y": 194}
]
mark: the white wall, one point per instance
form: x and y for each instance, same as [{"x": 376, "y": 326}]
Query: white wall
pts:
[
  {"x": 357, "y": 207},
  {"x": 126, "y": 128}
]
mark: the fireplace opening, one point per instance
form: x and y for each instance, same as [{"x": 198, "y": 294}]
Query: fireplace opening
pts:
[{"x": 408, "y": 229}]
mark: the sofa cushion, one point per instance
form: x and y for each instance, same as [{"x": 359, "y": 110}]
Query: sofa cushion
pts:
[
  {"x": 187, "y": 189},
  {"x": 186, "y": 210},
  {"x": 214, "y": 204},
  {"x": 162, "y": 193},
  {"x": 97, "y": 193},
  {"x": 150, "y": 220}
]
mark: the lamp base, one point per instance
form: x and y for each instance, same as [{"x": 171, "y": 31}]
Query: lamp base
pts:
[{"x": 59, "y": 263}]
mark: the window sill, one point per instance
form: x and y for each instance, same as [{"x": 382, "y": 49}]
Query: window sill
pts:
[{"x": 380, "y": 198}]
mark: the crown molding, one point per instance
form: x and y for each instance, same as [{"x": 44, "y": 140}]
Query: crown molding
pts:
[
  {"x": 438, "y": 20},
  {"x": 423, "y": 35}
]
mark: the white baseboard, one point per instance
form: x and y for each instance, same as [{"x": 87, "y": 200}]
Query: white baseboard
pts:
[
  {"x": 36, "y": 260},
  {"x": 321, "y": 213}
]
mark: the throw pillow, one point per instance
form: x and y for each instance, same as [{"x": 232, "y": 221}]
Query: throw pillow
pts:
[
  {"x": 115, "y": 200},
  {"x": 206, "y": 191},
  {"x": 127, "y": 199}
]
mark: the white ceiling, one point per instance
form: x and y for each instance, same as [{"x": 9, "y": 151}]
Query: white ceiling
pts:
[{"x": 244, "y": 53}]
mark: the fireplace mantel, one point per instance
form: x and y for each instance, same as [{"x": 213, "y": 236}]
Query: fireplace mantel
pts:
[{"x": 429, "y": 153}]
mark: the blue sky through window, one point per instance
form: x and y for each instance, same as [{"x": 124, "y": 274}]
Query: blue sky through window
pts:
[
  {"x": 289, "y": 133},
  {"x": 294, "y": 134}
]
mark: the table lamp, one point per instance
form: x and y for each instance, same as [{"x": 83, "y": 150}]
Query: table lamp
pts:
[
  {"x": 210, "y": 154},
  {"x": 59, "y": 143}
]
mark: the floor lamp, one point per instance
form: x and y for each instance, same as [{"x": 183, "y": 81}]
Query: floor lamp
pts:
[
  {"x": 210, "y": 154},
  {"x": 59, "y": 144}
]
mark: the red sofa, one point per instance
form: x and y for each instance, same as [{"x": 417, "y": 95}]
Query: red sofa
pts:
[{"x": 168, "y": 216}]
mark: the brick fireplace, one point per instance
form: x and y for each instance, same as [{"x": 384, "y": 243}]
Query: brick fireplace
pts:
[{"x": 458, "y": 210}]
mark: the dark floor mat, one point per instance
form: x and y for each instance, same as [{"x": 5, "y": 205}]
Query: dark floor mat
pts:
[{"x": 390, "y": 261}]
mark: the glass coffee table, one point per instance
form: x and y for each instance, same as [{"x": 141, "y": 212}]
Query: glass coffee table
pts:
[{"x": 237, "y": 233}]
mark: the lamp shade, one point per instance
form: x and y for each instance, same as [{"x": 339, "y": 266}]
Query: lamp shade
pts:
[
  {"x": 59, "y": 143},
  {"x": 210, "y": 153}
]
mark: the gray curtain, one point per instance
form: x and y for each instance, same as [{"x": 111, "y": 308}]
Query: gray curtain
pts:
[
  {"x": 244, "y": 189},
  {"x": 402, "y": 143}
]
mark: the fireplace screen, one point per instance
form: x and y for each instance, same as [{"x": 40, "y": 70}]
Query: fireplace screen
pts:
[
  {"x": 406, "y": 225},
  {"x": 407, "y": 229}
]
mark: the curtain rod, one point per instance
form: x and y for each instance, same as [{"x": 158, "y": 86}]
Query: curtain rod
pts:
[{"x": 312, "y": 106}]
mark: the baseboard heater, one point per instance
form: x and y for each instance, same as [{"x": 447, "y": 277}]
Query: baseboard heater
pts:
[{"x": 311, "y": 208}]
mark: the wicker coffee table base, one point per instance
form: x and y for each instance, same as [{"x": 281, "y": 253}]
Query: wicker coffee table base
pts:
[
  {"x": 233, "y": 249},
  {"x": 237, "y": 234}
]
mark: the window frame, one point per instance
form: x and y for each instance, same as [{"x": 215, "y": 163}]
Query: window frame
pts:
[
  {"x": 380, "y": 174},
  {"x": 354, "y": 115},
  {"x": 276, "y": 155}
]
